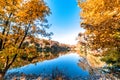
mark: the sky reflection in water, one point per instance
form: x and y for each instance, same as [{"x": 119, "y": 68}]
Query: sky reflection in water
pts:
[{"x": 68, "y": 64}]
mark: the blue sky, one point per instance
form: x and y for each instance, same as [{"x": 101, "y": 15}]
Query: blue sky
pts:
[{"x": 65, "y": 20}]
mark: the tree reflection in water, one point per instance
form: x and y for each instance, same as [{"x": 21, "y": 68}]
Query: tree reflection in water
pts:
[
  {"x": 95, "y": 73},
  {"x": 63, "y": 67},
  {"x": 58, "y": 73}
]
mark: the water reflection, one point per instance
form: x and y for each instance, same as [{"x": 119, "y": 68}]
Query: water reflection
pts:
[{"x": 66, "y": 65}]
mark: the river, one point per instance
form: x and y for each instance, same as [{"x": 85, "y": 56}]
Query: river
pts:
[{"x": 65, "y": 66}]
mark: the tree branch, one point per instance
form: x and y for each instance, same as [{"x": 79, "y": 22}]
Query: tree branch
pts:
[
  {"x": 6, "y": 24},
  {"x": 17, "y": 37},
  {"x": 7, "y": 61},
  {"x": 4, "y": 30},
  {"x": 26, "y": 32}
]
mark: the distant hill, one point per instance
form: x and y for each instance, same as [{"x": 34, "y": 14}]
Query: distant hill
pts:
[{"x": 46, "y": 45}]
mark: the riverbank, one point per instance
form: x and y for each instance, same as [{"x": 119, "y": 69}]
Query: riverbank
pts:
[{"x": 57, "y": 75}]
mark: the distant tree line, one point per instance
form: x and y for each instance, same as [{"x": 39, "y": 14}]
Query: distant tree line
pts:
[{"x": 43, "y": 45}]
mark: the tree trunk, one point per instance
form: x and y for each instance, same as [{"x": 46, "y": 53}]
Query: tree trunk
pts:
[
  {"x": 7, "y": 66},
  {"x": 2, "y": 76},
  {"x": 1, "y": 41}
]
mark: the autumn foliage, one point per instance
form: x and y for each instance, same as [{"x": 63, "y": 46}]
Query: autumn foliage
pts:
[
  {"x": 101, "y": 20},
  {"x": 19, "y": 19}
]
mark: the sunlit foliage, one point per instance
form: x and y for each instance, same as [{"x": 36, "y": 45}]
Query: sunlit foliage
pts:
[
  {"x": 101, "y": 20},
  {"x": 19, "y": 19}
]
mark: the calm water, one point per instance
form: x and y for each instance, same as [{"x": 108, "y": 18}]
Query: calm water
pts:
[{"x": 67, "y": 64}]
